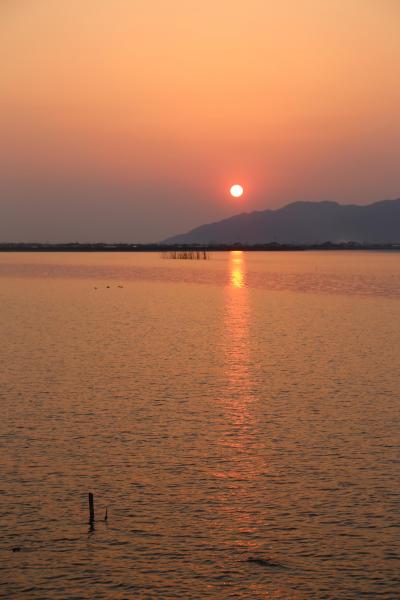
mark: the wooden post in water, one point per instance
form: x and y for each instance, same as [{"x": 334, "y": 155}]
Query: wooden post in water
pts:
[{"x": 91, "y": 508}]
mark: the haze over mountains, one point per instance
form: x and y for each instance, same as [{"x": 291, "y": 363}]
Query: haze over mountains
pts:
[{"x": 304, "y": 223}]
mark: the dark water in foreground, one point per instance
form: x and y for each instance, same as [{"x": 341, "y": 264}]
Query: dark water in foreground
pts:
[{"x": 245, "y": 406}]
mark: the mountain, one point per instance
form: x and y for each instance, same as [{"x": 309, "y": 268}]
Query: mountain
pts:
[{"x": 303, "y": 223}]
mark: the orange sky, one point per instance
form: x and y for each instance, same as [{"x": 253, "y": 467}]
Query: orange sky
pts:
[{"x": 129, "y": 119}]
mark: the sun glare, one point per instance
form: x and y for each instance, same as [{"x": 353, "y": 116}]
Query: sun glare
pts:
[{"x": 236, "y": 191}]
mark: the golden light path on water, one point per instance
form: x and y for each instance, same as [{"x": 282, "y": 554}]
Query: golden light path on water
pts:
[
  {"x": 238, "y": 442},
  {"x": 236, "y": 355}
]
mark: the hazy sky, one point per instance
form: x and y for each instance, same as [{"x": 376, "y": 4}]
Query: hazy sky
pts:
[{"x": 128, "y": 120}]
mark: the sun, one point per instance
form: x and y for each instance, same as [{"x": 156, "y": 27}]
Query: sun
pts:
[{"x": 236, "y": 190}]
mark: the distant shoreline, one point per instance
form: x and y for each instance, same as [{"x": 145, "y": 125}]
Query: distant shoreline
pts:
[{"x": 270, "y": 247}]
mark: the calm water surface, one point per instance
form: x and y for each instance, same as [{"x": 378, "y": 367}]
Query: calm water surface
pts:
[{"x": 244, "y": 406}]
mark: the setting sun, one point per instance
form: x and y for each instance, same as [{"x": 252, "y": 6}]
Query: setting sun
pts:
[{"x": 236, "y": 190}]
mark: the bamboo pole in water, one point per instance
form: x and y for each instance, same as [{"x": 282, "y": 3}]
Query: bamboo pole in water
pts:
[{"x": 91, "y": 508}]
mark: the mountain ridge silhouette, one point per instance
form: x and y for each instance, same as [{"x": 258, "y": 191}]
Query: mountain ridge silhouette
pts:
[{"x": 303, "y": 222}]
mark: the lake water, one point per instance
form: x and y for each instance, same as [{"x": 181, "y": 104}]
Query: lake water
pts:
[{"x": 243, "y": 406}]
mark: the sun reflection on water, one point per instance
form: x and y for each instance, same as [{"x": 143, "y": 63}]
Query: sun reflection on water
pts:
[
  {"x": 237, "y": 327},
  {"x": 238, "y": 389},
  {"x": 237, "y": 269},
  {"x": 236, "y": 351},
  {"x": 241, "y": 463}
]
